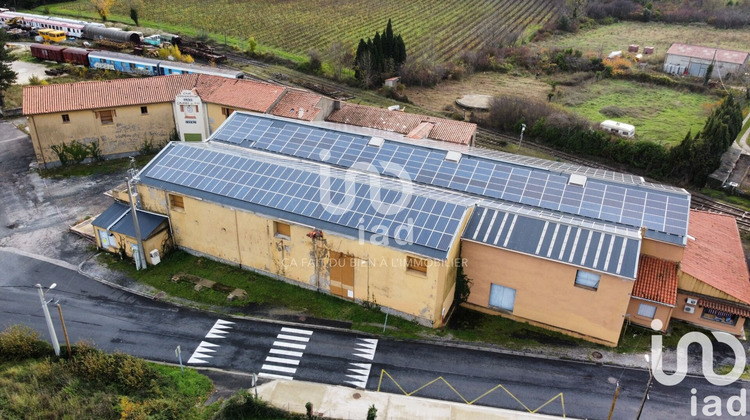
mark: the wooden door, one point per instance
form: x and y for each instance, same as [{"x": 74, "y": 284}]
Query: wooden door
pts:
[{"x": 342, "y": 274}]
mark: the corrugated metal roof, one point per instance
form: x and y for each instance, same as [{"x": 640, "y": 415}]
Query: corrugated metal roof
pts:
[
  {"x": 117, "y": 218},
  {"x": 708, "y": 53},
  {"x": 111, "y": 215},
  {"x": 573, "y": 245}
]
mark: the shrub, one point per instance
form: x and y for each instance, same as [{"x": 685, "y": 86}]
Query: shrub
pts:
[
  {"x": 243, "y": 405},
  {"x": 613, "y": 111},
  {"x": 19, "y": 342}
]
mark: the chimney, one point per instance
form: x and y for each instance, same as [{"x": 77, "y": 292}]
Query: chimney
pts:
[{"x": 336, "y": 104}]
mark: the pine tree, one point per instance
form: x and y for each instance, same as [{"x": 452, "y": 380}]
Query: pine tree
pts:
[{"x": 7, "y": 75}]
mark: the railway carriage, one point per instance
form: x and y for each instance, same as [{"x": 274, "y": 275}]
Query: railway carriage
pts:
[
  {"x": 123, "y": 62},
  {"x": 170, "y": 67}
]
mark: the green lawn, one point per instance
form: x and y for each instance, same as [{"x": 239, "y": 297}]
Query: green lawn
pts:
[{"x": 659, "y": 114}]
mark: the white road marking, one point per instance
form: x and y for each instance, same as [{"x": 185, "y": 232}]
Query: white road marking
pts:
[
  {"x": 281, "y": 360},
  {"x": 289, "y": 345},
  {"x": 296, "y": 331},
  {"x": 279, "y": 368},
  {"x": 274, "y": 376},
  {"x": 286, "y": 353},
  {"x": 292, "y": 338},
  {"x": 360, "y": 375},
  {"x": 366, "y": 348}
]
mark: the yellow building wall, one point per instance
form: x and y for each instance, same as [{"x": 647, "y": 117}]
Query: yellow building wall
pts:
[
  {"x": 126, "y": 135},
  {"x": 249, "y": 240},
  {"x": 695, "y": 318},
  {"x": 546, "y": 294},
  {"x": 662, "y": 250},
  {"x": 689, "y": 283},
  {"x": 215, "y": 116},
  {"x": 157, "y": 241},
  {"x": 663, "y": 313}
]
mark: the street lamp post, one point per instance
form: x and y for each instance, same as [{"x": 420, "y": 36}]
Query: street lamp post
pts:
[
  {"x": 523, "y": 128},
  {"x": 51, "y": 327},
  {"x": 648, "y": 386}
]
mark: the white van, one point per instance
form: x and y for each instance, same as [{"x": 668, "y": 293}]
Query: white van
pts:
[{"x": 621, "y": 129}]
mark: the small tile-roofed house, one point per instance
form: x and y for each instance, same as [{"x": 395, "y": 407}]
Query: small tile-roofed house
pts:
[
  {"x": 416, "y": 126},
  {"x": 714, "y": 286},
  {"x": 654, "y": 292}
]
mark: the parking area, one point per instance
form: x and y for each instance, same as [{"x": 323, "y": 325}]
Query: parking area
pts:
[{"x": 36, "y": 212}]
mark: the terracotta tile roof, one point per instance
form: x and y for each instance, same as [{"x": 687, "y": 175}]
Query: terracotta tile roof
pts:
[
  {"x": 238, "y": 93},
  {"x": 421, "y": 131},
  {"x": 716, "y": 257},
  {"x": 298, "y": 104},
  {"x": 103, "y": 94},
  {"x": 724, "y": 307},
  {"x": 656, "y": 281},
  {"x": 400, "y": 122}
]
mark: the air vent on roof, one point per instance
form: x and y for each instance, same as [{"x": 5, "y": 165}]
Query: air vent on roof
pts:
[
  {"x": 576, "y": 179},
  {"x": 453, "y": 156},
  {"x": 376, "y": 141}
]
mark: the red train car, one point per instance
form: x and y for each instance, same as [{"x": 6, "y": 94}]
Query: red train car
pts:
[
  {"x": 47, "y": 52},
  {"x": 77, "y": 56}
]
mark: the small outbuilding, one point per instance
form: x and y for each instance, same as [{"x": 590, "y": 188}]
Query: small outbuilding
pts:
[
  {"x": 694, "y": 60},
  {"x": 114, "y": 231}
]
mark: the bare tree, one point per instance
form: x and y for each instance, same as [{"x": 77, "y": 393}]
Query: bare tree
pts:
[
  {"x": 366, "y": 72},
  {"x": 340, "y": 55}
]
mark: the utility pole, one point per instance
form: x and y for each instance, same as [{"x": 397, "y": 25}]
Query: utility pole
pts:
[
  {"x": 51, "y": 327},
  {"x": 648, "y": 387},
  {"x": 65, "y": 331},
  {"x": 614, "y": 400},
  {"x": 141, "y": 257}
]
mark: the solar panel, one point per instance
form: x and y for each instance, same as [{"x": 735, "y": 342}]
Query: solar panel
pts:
[
  {"x": 427, "y": 218},
  {"x": 631, "y": 202}
]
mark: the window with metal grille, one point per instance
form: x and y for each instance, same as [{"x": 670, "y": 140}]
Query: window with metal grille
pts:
[
  {"x": 66, "y": 118},
  {"x": 648, "y": 311}
]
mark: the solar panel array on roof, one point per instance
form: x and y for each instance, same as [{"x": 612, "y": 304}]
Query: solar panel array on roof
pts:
[
  {"x": 605, "y": 252},
  {"x": 657, "y": 209},
  {"x": 430, "y": 218}
]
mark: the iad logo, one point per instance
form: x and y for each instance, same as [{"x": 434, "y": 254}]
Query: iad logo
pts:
[{"x": 707, "y": 357}]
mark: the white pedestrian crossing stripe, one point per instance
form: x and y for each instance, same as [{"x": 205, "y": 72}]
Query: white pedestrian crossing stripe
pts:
[
  {"x": 359, "y": 372},
  {"x": 288, "y": 338},
  {"x": 219, "y": 330},
  {"x": 200, "y": 353},
  {"x": 366, "y": 348}
]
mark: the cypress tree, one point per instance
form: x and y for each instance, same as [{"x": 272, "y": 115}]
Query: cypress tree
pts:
[
  {"x": 389, "y": 42},
  {"x": 399, "y": 55},
  {"x": 379, "y": 62}
]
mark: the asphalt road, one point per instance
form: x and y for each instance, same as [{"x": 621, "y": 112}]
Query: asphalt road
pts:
[{"x": 116, "y": 320}]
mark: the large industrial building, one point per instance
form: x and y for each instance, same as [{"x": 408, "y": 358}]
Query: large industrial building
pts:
[{"x": 382, "y": 217}]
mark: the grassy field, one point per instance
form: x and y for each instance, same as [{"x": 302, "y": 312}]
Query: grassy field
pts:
[
  {"x": 438, "y": 29},
  {"x": 659, "y": 114},
  {"x": 88, "y": 383},
  {"x": 659, "y": 35}
]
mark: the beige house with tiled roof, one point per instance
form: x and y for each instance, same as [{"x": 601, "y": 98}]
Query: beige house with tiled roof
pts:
[
  {"x": 123, "y": 115},
  {"x": 413, "y": 126},
  {"x": 709, "y": 286}
]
